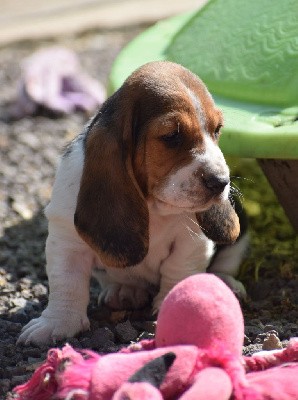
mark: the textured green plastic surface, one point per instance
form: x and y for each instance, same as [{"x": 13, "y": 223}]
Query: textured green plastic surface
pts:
[
  {"x": 259, "y": 127},
  {"x": 246, "y": 50}
]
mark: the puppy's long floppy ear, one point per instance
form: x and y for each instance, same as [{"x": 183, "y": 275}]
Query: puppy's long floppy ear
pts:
[
  {"x": 111, "y": 213},
  {"x": 220, "y": 223}
]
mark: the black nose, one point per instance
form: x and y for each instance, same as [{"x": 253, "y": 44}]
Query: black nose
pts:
[{"x": 215, "y": 183}]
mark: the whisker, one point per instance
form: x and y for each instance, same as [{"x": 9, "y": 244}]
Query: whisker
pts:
[
  {"x": 233, "y": 200},
  {"x": 237, "y": 192},
  {"x": 235, "y": 189},
  {"x": 192, "y": 220},
  {"x": 242, "y": 177},
  {"x": 196, "y": 223},
  {"x": 192, "y": 234}
]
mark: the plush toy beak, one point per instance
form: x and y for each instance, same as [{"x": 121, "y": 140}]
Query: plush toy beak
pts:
[
  {"x": 154, "y": 371},
  {"x": 144, "y": 383}
]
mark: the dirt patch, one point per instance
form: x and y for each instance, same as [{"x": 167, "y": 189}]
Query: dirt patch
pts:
[{"x": 30, "y": 150}]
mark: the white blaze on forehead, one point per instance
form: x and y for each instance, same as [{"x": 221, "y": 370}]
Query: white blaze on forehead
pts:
[
  {"x": 201, "y": 113},
  {"x": 213, "y": 157}
]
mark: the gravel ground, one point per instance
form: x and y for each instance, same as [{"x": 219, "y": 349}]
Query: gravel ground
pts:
[{"x": 30, "y": 150}]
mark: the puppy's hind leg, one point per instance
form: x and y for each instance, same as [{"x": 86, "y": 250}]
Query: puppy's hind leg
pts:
[{"x": 226, "y": 263}]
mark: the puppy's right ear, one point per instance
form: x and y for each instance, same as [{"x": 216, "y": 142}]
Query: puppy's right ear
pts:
[{"x": 111, "y": 213}]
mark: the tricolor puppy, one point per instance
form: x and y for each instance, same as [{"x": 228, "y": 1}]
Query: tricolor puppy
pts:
[{"x": 140, "y": 199}]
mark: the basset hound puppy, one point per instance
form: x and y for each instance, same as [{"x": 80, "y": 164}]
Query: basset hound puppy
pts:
[{"x": 140, "y": 199}]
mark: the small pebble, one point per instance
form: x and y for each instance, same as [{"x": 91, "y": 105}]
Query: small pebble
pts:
[
  {"x": 22, "y": 209},
  {"x": 19, "y": 302},
  {"x": 146, "y": 336},
  {"x": 272, "y": 342},
  {"x": 268, "y": 328},
  {"x": 102, "y": 338},
  {"x": 247, "y": 340},
  {"x": 39, "y": 290},
  {"x": 147, "y": 326},
  {"x": 125, "y": 332}
]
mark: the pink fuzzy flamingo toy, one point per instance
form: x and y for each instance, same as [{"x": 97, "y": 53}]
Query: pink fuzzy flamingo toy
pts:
[{"x": 196, "y": 355}]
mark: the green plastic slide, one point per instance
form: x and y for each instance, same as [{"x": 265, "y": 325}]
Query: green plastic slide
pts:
[{"x": 247, "y": 54}]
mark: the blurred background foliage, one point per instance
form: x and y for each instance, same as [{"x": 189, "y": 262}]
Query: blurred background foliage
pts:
[{"x": 273, "y": 241}]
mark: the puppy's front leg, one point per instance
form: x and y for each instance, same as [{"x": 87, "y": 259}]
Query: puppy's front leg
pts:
[
  {"x": 172, "y": 272},
  {"x": 69, "y": 266},
  {"x": 190, "y": 256}
]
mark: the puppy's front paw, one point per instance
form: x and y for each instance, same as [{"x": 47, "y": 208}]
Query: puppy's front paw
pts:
[
  {"x": 48, "y": 328},
  {"x": 123, "y": 297}
]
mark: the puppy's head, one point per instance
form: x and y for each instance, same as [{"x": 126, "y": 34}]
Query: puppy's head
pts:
[{"x": 155, "y": 139}]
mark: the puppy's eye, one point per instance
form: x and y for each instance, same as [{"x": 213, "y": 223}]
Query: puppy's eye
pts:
[
  {"x": 217, "y": 131},
  {"x": 172, "y": 140}
]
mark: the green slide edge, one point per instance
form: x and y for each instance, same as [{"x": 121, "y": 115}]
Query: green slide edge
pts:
[{"x": 250, "y": 130}]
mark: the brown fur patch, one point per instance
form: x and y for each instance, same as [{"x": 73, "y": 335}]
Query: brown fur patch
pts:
[
  {"x": 111, "y": 214},
  {"x": 220, "y": 223}
]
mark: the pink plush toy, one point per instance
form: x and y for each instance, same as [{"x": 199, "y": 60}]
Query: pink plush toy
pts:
[{"x": 196, "y": 355}]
